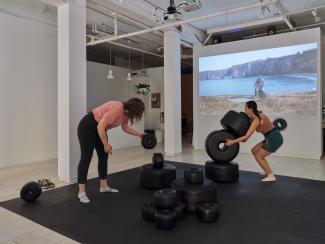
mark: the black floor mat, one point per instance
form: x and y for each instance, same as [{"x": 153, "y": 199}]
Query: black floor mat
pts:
[{"x": 292, "y": 210}]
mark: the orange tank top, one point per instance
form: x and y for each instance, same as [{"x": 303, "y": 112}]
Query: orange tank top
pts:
[
  {"x": 266, "y": 124},
  {"x": 110, "y": 114}
]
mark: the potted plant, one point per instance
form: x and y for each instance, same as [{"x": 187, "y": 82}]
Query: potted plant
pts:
[{"x": 142, "y": 89}]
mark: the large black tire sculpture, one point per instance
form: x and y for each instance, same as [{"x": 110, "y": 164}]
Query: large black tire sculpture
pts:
[
  {"x": 193, "y": 194},
  {"x": 149, "y": 141},
  {"x": 235, "y": 123},
  {"x": 280, "y": 124},
  {"x": 158, "y": 160},
  {"x": 214, "y": 146},
  {"x": 165, "y": 219},
  {"x": 151, "y": 178},
  {"x": 30, "y": 191},
  {"x": 194, "y": 175},
  {"x": 208, "y": 212},
  {"x": 165, "y": 198},
  {"x": 222, "y": 172}
]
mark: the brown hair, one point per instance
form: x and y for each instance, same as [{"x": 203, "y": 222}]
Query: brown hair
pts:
[
  {"x": 134, "y": 109},
  {"x": 253, "y": 105}
]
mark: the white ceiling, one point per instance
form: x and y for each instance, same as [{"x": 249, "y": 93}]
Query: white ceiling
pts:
[
  {"x": 141, "y": 12},
  {"x": 99, "y": 11},
  {"x": 212, "y": 6}
]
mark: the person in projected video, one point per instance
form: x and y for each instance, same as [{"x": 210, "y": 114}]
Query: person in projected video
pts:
[
  {"x": 261, "y": 123},
  {"x": 259, "y": 84}
]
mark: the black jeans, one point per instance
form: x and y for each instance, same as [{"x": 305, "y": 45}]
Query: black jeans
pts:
[{"x": 89, "y": 140}]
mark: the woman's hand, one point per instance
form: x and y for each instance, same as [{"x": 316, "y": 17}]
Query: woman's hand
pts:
[
  {"x": 108, "y": 148},
  {"x": 229, "y": 142},
  {"x": 141, "y": 135}
]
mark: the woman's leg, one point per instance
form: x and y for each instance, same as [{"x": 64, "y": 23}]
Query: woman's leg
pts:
[
  {"x": 257, "y": 147},
  {"x": 254, "y": 151},
  {"x": 102, "y": 167},
  {"x": 260, "y": 156},
  {"x": 102, "y": 162},
  {"x": 87, "y": 140}
]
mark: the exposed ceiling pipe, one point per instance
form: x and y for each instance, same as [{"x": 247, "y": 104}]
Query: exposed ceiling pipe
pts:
[
  {"x": 305, "y": 10},
  {"x": 132, "y": 48},
  {"x": 255, "y": 23},
  {"x": 225, "y": 12},
  {"x": 259, "y": 22},
  {"x": 288, "y": 30},
  {"x": 206, "y": 39},
  {"x": 109, "y": 16},
  {"x": 115, "y": 24},
  {"x": 278, "y": 5},
  {"x": 121, "y": 16},
  {"x": 183, "y": 56}
]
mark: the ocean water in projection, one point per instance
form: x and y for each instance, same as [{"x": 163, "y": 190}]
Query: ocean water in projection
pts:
[{"x": 277, "y": 84}]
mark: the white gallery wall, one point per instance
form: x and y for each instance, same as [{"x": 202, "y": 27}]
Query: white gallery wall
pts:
[
  {"x": 303, "y": 137},
  {"x": 156, "y": 81},
  {"x": 28, "y": 90},
  {"x": 323, "y": 63}
]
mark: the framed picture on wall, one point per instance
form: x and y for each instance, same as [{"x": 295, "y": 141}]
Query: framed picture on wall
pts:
[{"x": 155, "y": 100}]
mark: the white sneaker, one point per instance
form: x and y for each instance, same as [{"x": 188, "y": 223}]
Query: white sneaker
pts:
[
  {"x": 262, "y": 173},
  {"x": 269, "y": 178},
  {"x": 83, "y": 197},
  {"x": 108, "y": 189}
]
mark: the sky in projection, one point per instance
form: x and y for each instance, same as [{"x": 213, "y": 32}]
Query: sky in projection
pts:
[{"x": 226, "y": 61}]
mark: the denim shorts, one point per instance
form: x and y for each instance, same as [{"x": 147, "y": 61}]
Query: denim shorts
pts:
[{"x": 273, "y": 141}]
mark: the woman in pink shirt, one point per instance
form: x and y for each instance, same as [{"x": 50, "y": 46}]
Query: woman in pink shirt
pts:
[
  {"x": 92, "y": 135},
  {"x": 273, "y": 138}
]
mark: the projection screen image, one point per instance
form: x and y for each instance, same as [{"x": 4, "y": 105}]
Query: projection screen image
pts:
[{"x": 283, "y": 81}]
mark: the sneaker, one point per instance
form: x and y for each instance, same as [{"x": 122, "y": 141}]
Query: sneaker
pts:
[
  {"x": 108, "y": 189},
  {"x": 83, "y": 197},
  {"x": 269, "y": 178},
  {"x": 46, "y": 183}
]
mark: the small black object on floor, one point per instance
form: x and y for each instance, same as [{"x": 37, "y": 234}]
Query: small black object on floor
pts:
[{"x": 289, "y": 211}]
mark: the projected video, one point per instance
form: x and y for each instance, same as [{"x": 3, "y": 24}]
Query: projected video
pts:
[{"x": 281, "y": 80}]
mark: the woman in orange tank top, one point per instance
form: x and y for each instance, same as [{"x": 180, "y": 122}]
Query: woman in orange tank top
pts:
[
  {"x": 92, "y": 136},
  {"x": 273, "y": 138}
]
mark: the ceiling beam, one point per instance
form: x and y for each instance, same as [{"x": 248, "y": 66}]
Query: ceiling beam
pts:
[
  {"x": 245, "y": 25},
  {"x": 127, "y": 20},
  {"x": 195, "y": 19},
  {"x": 278, "y": 5}
]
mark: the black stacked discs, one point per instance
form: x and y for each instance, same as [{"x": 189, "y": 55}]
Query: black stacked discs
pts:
[
  {"x": 158, "y": 160},
  {"x": 207, "y": 212},
  {"x": 166, "y": 198},
  {"x": 280, "y": 124},
  {"x": 216, "y": 149},
  {"x": 194, "y": 175},
  {"x": 149, "y": 141},
  {"x": 30, "y": 191},
  {"x": 193, "y": 194},
  {"x": 166, "y": 210},
  {"x": 222, "y": 172},
  {"x": 236, "y": 123},
  {"x": 157, "y": 178}
]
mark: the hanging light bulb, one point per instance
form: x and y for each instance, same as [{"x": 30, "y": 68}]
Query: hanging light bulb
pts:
[
  {"x": 110, "y": 75},
  {"x": 110, "y": 72},
  {"x": 129, "y": 74}
]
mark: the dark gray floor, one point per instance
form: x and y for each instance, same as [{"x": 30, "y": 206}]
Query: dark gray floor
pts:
[{"x": 291, "y": 210}]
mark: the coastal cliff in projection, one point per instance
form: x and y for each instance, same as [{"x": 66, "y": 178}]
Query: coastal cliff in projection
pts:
[
  {"x": 282, "y": 80},
  {"x": 298, "y": 63}
]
